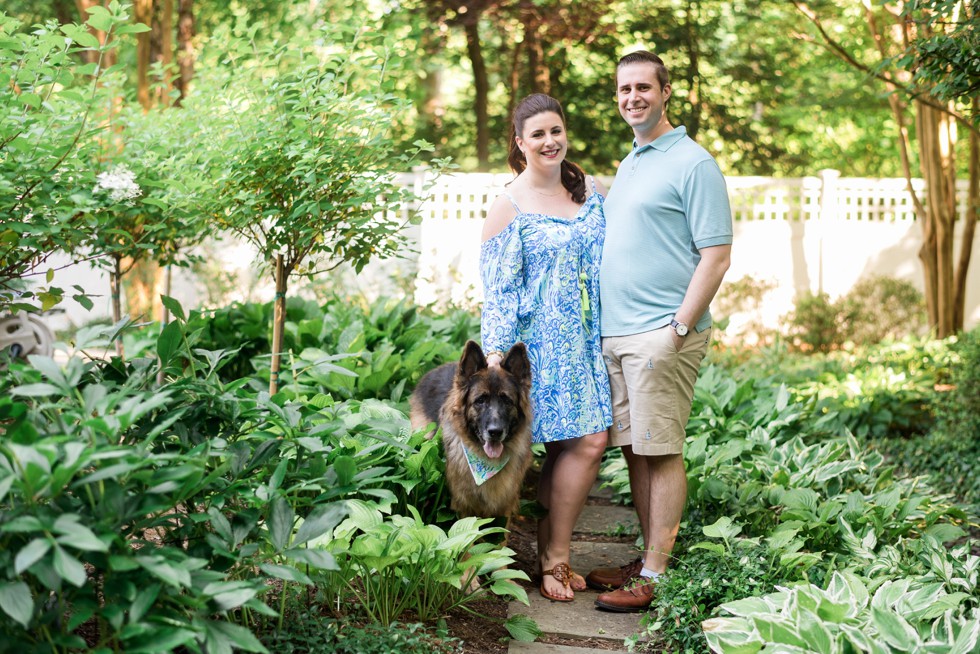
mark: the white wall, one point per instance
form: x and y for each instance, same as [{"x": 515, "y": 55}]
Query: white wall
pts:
[{"x": 813, "y": 233}]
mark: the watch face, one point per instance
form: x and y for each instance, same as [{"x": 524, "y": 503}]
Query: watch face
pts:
[{"x": 681, "y": 330}]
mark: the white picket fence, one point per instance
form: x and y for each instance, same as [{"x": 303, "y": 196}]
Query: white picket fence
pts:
[
  {"x": 811, "y": 233},
  {"x": 821, "y": 233}
]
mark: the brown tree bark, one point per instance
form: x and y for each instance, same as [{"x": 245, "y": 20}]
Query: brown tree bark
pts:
[
  {"x": 163, "y": 48},
  {"x": 482, "y": 87},
  {"x": 514, "y": 78},
  {"x": 694, "y": 74},
  {"x": 109, "y": 57},
  {"x": 115, "y": 294},
  {"x": 278, "y": 324},
  {"x": 143, "y": 13},
  {"x": 936, "y": 137},
  {"x": 969, "y": 228},
  {"x": 143, "y": 280},
  {"x": 936, "y": 133},
  {"x": 185, "y": 48}
]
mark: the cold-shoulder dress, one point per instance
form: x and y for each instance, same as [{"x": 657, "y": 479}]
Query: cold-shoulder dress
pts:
[{"x": 541, "y": 286}]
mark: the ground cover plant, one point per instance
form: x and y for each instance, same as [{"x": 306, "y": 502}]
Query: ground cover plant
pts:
[
  {"x": 800, "y": 530},
  {"x": 246, "y": 509},
  {"x": 204, "y": 514}
]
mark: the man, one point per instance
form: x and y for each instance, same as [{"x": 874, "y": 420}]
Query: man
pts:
[{"x": 667, "y": 248}]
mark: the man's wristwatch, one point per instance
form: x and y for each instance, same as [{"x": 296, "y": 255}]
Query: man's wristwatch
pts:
[{"x": 679, "y": 328}]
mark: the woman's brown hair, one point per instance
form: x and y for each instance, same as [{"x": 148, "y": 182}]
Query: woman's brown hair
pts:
[{"x": 572, "y": 177}]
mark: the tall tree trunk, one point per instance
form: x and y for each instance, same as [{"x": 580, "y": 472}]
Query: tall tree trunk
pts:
[
  {"x": 163, "y": 48},
  {"x": 143, "y": 13},
  {"x": 969, "y": 228},
  {"x": 64, "y": 11},
  {"x": 539, "y": 77},
  {"x": 515, "y": 78},
  {"x": 937, "y": 140},
  {"x": 482, "y": 87},
  {"x": 165, "y": 312},
  {"x": 694, "y": 74},
  {"x": 108, "y": 57},
  {"x": 278, "y": 325},
  {"x": 185, "y": 48}
]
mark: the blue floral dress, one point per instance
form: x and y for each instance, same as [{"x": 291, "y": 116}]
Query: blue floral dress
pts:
[{"x": 541, "y": 286}]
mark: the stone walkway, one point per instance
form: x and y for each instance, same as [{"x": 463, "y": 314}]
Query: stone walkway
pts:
[{"x": 593, "y": 546}]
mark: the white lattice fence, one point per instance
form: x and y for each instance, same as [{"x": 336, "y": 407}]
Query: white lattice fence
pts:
[
  {"x": 820, "y": 233},
  {"x": 811, "y": 233}
]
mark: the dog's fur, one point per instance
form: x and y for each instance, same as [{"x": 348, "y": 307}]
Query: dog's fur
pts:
[{"x": 489, "y": 409}]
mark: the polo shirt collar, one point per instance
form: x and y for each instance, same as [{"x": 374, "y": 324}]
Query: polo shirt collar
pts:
[{"x": 664, "y": 142}]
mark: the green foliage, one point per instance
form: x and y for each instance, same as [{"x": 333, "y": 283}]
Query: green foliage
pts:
[
  {"x": 958, "y": 408},
  {"x": 751, "y": 102},
  {"x": 50, "y": 104},
  {"x": 876, "y": 309},
  {"x": 948, "y": 454},
  {"x": 309, "y": 632},
  {"x": 344, "y": 347},
  {"x": 816, "y": 324},
  {"x": 707, "y": 575},
  {"x": 788, "y": 471},
  {"x": 944, "y": 56},
  {"x": 881, "y": 308},
  {"x": 402, "y": 564},
  {"x": 934, "y": 611},
  {"x": 300, "y": 149},
  {"x": 162, "y": 218},
  {"x": 160, "y": 517}
]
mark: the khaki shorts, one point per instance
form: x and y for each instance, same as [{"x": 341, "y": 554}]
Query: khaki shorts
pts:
[{"x": 652, "y": 388}]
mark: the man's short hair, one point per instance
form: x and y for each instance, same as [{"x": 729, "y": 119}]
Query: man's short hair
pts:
[{"x": 643, "y": 56}]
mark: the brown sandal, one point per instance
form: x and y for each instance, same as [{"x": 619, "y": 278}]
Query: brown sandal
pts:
[{"x": 563, "y": 573}]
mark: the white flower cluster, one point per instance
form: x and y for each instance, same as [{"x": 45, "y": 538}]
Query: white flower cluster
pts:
[{"x": 119, "y": 183}]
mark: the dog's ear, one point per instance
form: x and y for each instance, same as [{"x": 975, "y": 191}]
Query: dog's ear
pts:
[
  {"x": 517, "y": 362},
  {"x": 472, "y": 361}
]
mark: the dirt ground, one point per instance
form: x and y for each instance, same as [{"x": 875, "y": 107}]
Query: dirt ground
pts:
[{"x": 487, "y": 635}]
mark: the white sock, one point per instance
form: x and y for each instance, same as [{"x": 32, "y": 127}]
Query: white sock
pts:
[{"x": 650, "y": 574}]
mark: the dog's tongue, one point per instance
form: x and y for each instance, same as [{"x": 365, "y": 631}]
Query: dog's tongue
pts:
[{"x": 493, "y": 450}]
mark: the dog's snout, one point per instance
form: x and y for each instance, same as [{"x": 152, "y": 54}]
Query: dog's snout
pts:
[{"x": 495, "y": 433}]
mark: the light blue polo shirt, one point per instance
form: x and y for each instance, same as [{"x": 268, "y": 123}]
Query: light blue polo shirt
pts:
[{"x": 668, "y": 201}]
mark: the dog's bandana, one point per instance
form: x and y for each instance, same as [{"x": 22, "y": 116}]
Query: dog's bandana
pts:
[{"x": 481, "y": 468}]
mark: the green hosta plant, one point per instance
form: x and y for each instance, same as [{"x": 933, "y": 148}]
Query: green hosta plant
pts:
[
  {"x": 399, "y": 564},
  {"x": 88, "y": 516},
  {"x": 908, "y": 614}
]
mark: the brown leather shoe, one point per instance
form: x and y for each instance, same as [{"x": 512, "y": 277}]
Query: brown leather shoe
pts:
[
  {"x": 612, "y": 578},
  {"x": 634, "y": 597}
]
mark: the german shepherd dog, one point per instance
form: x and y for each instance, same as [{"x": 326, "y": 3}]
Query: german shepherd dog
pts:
[{"x": 485, "y": 415}]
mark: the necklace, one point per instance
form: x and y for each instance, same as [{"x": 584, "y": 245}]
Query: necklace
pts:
[{"x": 547, "y": 195}]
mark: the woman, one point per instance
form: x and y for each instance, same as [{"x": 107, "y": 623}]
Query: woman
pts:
[{"x": 539, "y": 262}]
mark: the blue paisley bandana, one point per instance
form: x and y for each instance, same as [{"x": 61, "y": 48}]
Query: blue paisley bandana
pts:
[{"x": 481, "y": 468}]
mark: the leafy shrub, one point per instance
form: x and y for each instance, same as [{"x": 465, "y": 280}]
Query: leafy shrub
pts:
[
  {"x": 160, "y": 516},
  {"x": 876, "y": 309},
  {"x": 703, "y": 578},
  {"x": 958, "y": 408},
  {"x": 815, "y": 325},
  {"x": 346, "y": 348},
  {"x": 949, "y": 454},
  {"x": 309, "y": 632},
  {"x": 933, "y": 611},
  {"x": 738, "y": 307},
  {"x": 881, "y": 308}
]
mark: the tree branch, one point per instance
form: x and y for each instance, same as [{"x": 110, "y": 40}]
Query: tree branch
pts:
[{"x": 916, "y": 94}]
